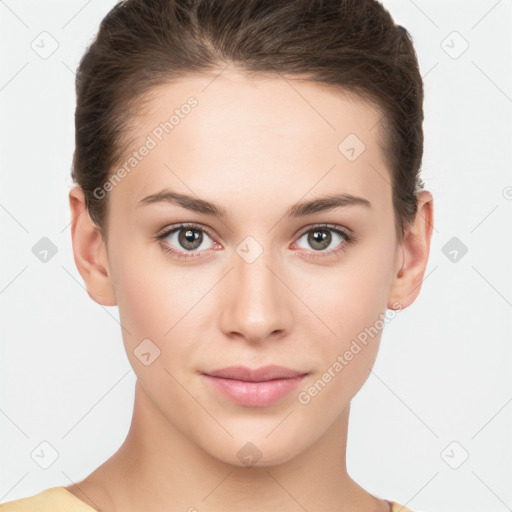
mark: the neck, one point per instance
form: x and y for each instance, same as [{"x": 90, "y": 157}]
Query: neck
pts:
[{"x": 159, "y": 468}]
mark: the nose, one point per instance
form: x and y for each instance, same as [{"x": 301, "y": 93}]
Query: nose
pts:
[{"x": 258, "y": 304}]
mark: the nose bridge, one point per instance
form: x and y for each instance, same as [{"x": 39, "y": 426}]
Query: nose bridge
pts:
[{"x": 257, "y": 305}]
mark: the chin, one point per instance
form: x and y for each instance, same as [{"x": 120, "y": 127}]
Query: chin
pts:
[{"x": 257, "y": 451}]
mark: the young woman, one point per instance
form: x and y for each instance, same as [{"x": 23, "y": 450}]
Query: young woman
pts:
[{"x": 248, "y": 195}]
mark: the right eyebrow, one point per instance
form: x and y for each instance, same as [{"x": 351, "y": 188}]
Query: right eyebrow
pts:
[{"x": 190, "y": 203}]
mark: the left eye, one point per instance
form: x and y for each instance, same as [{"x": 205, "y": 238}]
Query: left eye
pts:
[{"x": 320, "y": 238}]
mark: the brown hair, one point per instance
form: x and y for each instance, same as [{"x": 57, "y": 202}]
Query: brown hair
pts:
[{"x": 353, "y": 45}]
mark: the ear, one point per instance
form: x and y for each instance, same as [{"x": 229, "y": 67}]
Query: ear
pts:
[
  {"x": 412, "y": 254},
  {"x": 90, "y": 251}
]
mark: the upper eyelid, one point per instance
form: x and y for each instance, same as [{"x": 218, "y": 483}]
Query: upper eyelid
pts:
[
  {"x": 168, "y": 230},
  {"x": 332, "y": 227}
]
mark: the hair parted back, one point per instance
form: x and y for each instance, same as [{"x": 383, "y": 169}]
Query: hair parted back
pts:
[{"x": 353, "y": 45}]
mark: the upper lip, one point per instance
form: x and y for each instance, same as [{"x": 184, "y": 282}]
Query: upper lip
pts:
[{"x": 264, "y": 373}]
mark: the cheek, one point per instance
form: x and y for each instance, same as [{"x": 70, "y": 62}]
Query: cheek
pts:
[
  {"x": 148, "y": 296},
  {"x": 350, "y": 298},
  {"x": 351, "y": 301},
  {"x": 346, "y": 357},
  {"x": 149, "y": 290},
  {"x": 162, "y": 310}
]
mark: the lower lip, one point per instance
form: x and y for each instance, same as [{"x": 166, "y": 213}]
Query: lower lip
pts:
[{"x": 255, "y": 394}]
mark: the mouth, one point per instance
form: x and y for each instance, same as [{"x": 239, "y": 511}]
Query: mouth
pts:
[{"x": 260, "y": 387}]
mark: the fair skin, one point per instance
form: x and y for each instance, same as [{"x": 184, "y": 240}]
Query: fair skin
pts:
[{"x": 254, "y": 147}]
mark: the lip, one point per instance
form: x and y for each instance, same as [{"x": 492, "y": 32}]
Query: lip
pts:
[
  {"x": 260, "y": 387},
  {"x": 264, "y": 373}
]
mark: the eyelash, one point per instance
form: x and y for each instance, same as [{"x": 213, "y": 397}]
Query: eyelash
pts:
[{"x": 349, "y": 240}]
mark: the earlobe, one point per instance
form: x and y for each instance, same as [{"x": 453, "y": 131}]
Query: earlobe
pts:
[
  {"x": 90, "y": 252},
  {"x": 413, "y": 252}
]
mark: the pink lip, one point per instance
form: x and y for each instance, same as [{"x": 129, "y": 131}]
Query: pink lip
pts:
[{"x": 255, "y": 388}]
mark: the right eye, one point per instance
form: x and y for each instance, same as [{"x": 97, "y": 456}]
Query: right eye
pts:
[{"x": 185, "y": 241}]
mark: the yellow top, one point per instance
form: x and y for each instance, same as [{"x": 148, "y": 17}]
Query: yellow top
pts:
[
  {"x": 59, "y": 499},
  {"x": 54, "y": 499}
]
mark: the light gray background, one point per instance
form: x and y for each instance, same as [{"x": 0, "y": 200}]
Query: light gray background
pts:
[{"x": 443, "y": 373}]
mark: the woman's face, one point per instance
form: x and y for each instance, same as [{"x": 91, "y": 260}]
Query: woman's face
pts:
[{"x": 265, "y": 283}]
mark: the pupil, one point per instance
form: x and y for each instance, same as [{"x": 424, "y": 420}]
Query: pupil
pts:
[
  {"x": 188, "y": 238},
  {"x": 322, "y": 237}
]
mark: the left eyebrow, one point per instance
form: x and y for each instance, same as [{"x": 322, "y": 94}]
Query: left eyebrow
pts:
[
  {"x": 300, "y": 209},
  {"x": 325, "y": 203}
]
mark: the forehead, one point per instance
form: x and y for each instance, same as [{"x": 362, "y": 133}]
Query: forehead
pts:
[{"x": 220, "y": 136}]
